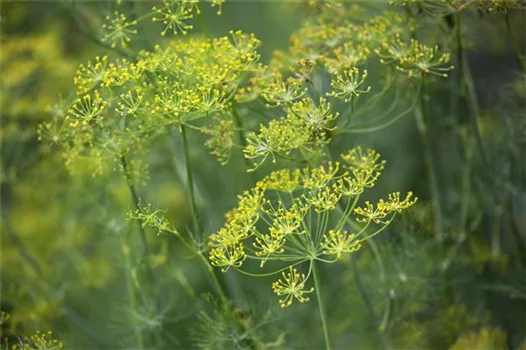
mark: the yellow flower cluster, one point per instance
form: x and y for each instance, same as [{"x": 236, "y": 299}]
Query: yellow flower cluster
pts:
[
  {"x": 379, "y": 213},
  {"x": 226, "y": 247},
  {"x": 221, "y": 140},
  {"x": 296, "y": 215},
  {"x": 118, "y": 30},
  {"x": 305, "y": 127},
  {"x": 339, "y": 47},
  {"x": 292, "y": 286},
  {"x": 196, "y": 77},
  {"x": 347, "y": 86},
  {"x": 333, "y": 42},
  {"x": 338, "y": 242},
  {"x": 173, "y": 14},
  {"x": 87, "y": 109},
  {"x": 122, "y": 105},
  {"x": 414, "y": 58},
  {"x": 277, "y": 90},
  {"x": 40, "y": 341},
  {"x": 284, "y": 180},
  {"x": 155, "y": 219},
  {"x": 102, "y": 74}
]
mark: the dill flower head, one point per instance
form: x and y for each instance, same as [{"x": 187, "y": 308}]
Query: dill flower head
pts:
[
  {"x": 86, "y": 109},
  {"x": 39, "y": 341},
  {"x": 284, "y": 180},
  {"x": 118, "y": 30},
  {"x": 364, "y": 160},
  {"x": 152, "y": 218},
  {"x": 349, "y": 84},
  {"x": 291, "y": 286},
  {"x": 221, "y": 140},
  {"x": 302, "y": 215},
  {"x": 414, "y": 58},
  {"x": 338, "y": 242},
  {"x": 281, "y": 92},
  {"x": 227, "y": 256},
  {"x": 173, "y": 14},
  {"x": 91, "y": 75},
  {"x": 123, "y": 105},
  {"x": 304, "y": 127},
  {"x": 314, "y": 117}
]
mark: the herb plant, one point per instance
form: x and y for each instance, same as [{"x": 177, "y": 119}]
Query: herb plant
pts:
[{"x": 191, "y": 157}]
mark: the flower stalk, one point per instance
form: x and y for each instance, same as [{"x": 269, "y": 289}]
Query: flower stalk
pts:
[
  {"x": 317, "y": 287},
  {"x": 190, "y": 181}
]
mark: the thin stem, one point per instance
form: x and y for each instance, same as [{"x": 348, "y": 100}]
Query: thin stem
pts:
[
  {"x": 132, "y": 296},
  {"x": 357, "y": 130},
  {"x": 215, "y": 281},
  {"x": 317, "y": 286},
  {"x": 202, "y": 24},
  {"x": 242, "y": 140},
  {"x": 361, "y": 287},
  {"x": 514, "y": 42},
  {"x": 362, "y": 291},
  {"x": 135, "y": 200},
  {"x": 254, "y": 343},
  {"x": 472, "y": 98},
  {"x": 268, "y": 273},
  {"x": 377, "y": 231},
  {"x": 428, "y": 158},
  {"x": 190, "y": 181},
  {"x": 207, "y": 265}
]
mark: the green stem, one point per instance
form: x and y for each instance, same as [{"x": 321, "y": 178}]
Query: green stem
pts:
[
  {"x": 242, "y": 140},
  {"x": 394, "y": 119},
  {"x": 146, "y": 251},
  {"x": 473, "y": 105},
  {"x": 132, "y": 296},
  {"x": 362, "y": 291},
  {"x": 428, "y": 158},
  {"x": 253, "y": 342},
  {"x": 317, "y": 286},
  {"x": 135, "y": 200},
  {"x": 202, "y": 24},
  {"x": 514, "y": 42},
  {"x": 215, "y": 281},
  {"x": 190, "y": 181}
]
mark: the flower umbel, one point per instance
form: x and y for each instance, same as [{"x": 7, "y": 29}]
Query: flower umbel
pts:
[
  {"x": 349, "y": 85},
  {"x": 291, "y": 286},
  {"x": 118, "y": 30},
  {"x": 295, "y": 216},
  {"x": 338, "y": 242}
]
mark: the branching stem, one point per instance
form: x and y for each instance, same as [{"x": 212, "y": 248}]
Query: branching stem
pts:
[{"x": 135, "y": 200}]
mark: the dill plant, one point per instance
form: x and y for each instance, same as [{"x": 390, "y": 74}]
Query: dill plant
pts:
[
  {"x": 123, "y": 105},
  {"x": 285, "y": 120}
]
